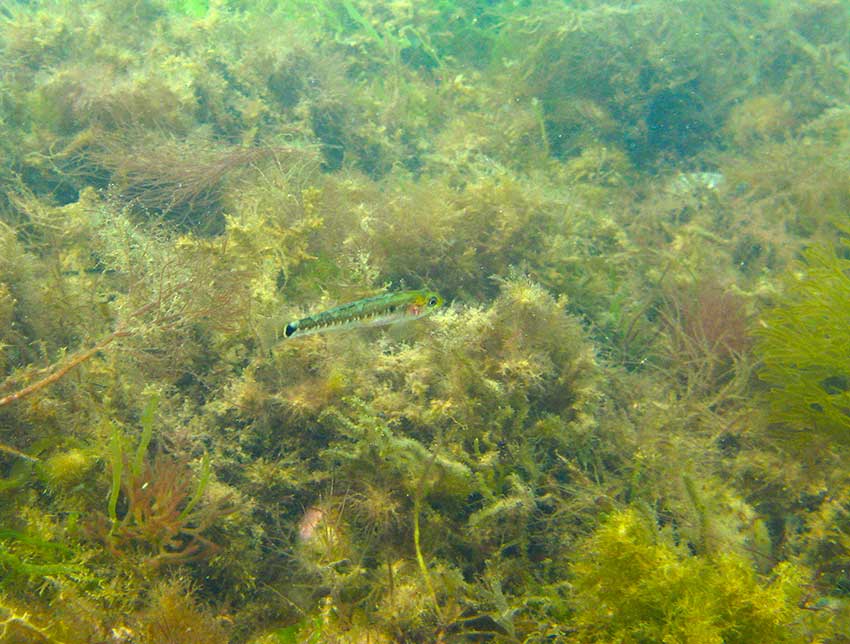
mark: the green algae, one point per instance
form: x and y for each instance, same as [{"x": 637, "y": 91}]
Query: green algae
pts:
[
  {"x": 47, "y": 554},
  {"x": 633, "y": 585},
  {"x": 576, "y": 448},
  {"x": 798, "y": 338},
  {"x": 195, "y": 8}
]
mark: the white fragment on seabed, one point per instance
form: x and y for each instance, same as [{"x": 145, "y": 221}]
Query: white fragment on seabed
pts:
[
  {"x": 689, "y": 182},
  {"x": 309, "y": 522}
]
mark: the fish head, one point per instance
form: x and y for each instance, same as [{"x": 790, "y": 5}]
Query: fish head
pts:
[{"x": 424, "y": 303}]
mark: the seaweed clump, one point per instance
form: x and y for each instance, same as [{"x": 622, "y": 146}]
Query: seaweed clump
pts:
[
  {"x": 798, "y": 343},
  {"x": 164, "y": 517},
  {"x": 634, "y": 585},
  {"x": 454, "y": 446},
  {"x": 180, "y": 181}
]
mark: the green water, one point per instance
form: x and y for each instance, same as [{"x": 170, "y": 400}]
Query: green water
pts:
[{"x": 630, "y": 422}]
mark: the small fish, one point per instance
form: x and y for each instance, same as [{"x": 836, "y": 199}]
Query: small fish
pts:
[{"x": 371, "y": 311}]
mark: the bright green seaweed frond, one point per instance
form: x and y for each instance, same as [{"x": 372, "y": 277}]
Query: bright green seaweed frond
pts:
[
  {"x": 803, "y": 346},
  {"x": 194, "y": 8},
  {"x": 634, "y": 585}
]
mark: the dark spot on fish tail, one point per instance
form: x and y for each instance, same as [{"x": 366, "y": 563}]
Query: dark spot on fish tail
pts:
[
  {"x": 392, "y": 309},
  {"x": 291, "y": 328}
]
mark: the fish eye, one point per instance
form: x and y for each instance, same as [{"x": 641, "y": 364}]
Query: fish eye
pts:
[{"x": 432, "y": 301}]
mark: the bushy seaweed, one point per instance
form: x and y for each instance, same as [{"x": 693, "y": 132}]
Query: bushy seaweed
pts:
[
  {"x": 631, "y": 208},
  {"x": 799, "y": 340},
  {"x": 633, "y": 584}
]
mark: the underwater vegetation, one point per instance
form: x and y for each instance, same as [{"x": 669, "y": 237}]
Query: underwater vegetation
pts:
[
  {"x": 160, "y": 515},
  {"x": 632, "y": 584},
  {"x": 624, "y": 418},
  {"x": 797, "y": 344}
]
